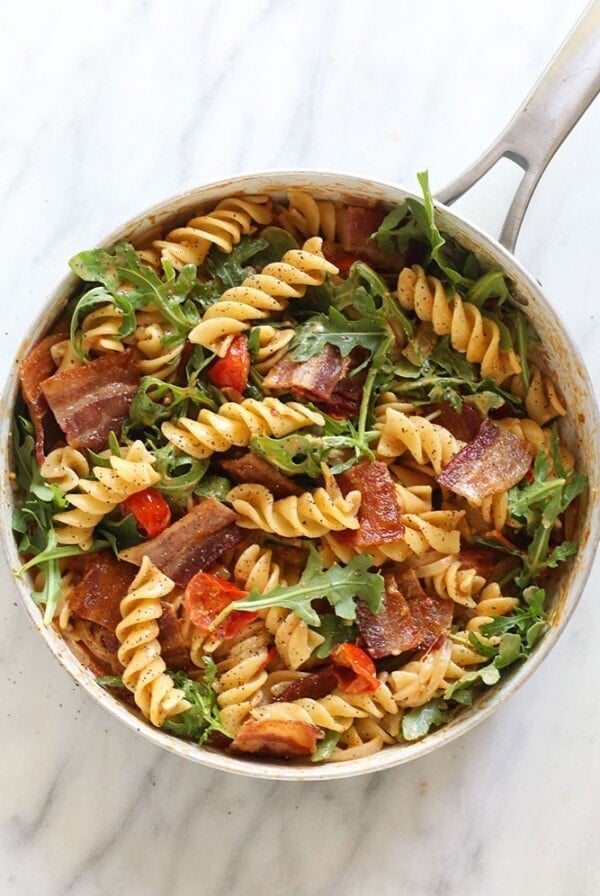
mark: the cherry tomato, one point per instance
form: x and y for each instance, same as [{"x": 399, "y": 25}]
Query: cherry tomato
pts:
[
  {"x": 206, "y": 596},
  {"x": 360, "y": 664},
  {"x": 342, "y": 260},
  {"x": 151, "y": 511},
  {"x": 232, "y": 370}
]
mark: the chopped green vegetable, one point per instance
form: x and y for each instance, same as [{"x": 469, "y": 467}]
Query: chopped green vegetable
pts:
[
  {"x": 203, "y": 717},
  {"x": 417, "y": 722}
]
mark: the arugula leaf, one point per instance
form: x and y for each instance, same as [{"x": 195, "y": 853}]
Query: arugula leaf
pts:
[
  {"x": 227, "y": 269},
  {"x": 337, "y": 330},
  {"x": 303, "y": 454},
  {"x": 335, "y": 631},
  {"x": 326, "y": 746},
  {"x": 341, "y": 586},
  {"x": 180, "y": 474},
  {"x": 110, "y": 681},
  {"x": 203, "y": 717},
  {"x": 417, "y": 722},
  {"x": 214, "y": 487},
  {"x": 119, "y": 533},
  {"x": 156, "y": 401}
]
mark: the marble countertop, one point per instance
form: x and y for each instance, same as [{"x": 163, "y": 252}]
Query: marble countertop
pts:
[{"x": 108, "y": 107}]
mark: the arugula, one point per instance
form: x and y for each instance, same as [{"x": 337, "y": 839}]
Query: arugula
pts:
[
  {"x": 156, "y": 401},
  {"x": 417, "y": 722},
  {"x": 227, "y": 269},
  {"x": 128, "y": 284},
  {"x": 33, "y": 521},
  {"x": 341, "y": 586},
  {"x": 303, "y": 454},
  {"x": 336, "y": 329},
  {"x": 202, "y": 718},
  {"x": 335, "y": 631},
  {"x": 180, "y": 474},
  {"x": 539, "y": 504},
  {"x": 326, "y": 746},
  {"x": 119, "y": 533},
  {"x": 518, "y": 634},
  {"x": 214, "y": 487}
]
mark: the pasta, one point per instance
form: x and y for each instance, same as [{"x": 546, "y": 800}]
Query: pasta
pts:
[
  {"x": 259, "y": 295},
  {"x": 144, "y": 669},
  {"x": 292, "y": 511}
]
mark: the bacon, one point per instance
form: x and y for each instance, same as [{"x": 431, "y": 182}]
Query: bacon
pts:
[
  {"x": 252, "y": 468},
  {"x": 463, "y": 424},
  {"x": 345, "y": 399},
  {"x": 37, "y": 366},
  {"x": 409, "y": 618},
  {"x": 316, "y": 685},
  {"x": 191, "y": 544},
  {"x": 379, "y": 515},
  {"x": 481, "y": 560},
  {"x": 173, "y": 648},
  {"x": 92, "y": 400},
  {"x": 357, "y": 224},
  {"x": 315, "y": 379},
  {"x": 277, "y": 737},
  {"x": 104, "y": 583},
  {"x": 493, "y": 462}
]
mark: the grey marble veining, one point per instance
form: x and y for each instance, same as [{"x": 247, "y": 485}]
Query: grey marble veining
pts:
[{"x": 108, "y": 107}]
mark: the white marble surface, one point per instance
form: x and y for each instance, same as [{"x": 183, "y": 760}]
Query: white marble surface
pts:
[{"x": 107, "y": 107}]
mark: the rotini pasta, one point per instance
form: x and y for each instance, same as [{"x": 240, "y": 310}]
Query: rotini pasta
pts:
[
  {"x": 470, "y": 332},
  {"x": 316, "y": 577},
  {"x": 144, "y": 668},
  {"x": 261, "y": 295}
]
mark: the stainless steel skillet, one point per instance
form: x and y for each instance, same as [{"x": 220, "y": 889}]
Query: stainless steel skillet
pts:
[{"x": 565, "y": 90}]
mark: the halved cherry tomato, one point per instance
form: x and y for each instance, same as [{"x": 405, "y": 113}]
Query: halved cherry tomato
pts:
[
  {"x": 206, "y": 596},
  {"x": 232, "y": 370},
  {"x": 151, "y": 511},
  {"x": 363, "y": 679}
]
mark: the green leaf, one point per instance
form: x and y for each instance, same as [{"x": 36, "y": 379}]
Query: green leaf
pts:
[
  {"x": 337, "y": 330},
  {"x": 213, "y": 487},
  {"x": 416, "y": 723},
  {"x": 341, "y": 586},
  {"x": 299, "y": 454},
  {"x": 326, "y": 746},
  {"x": 277, "y": 242},
  {"x": 335, "y": 631},
  {"x": 119, "y": 532},
  {"x": 110, "y": 681},
  {"x": 203, "y": 717}
]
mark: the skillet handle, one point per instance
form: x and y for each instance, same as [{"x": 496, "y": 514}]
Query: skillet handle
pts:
[{"x": 553, "y": 107}]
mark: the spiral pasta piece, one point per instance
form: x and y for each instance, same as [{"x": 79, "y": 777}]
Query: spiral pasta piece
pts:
[
  {"x": 139, "y": 653},
  {"x": 235, "y": 424},
  {"x": 491, "y": 602},
  {"x": 307, "y": 217},
  {"x": 470, "y": 332},
  {"x": 333, "y": 713},
  {"x": 294, "y": 640},
  {"x": 65, "y": 467},
  {"x": 149, "y": 337},
  {"x": 223, "y": 227},
  {"x": 272, "y": 346},
  {"x": 421, "y": 679},
  {"x": 261, "y": 295},
  {"x": 448, "y": 578},
  {"x": 311, "y": 515},
  {"x": 542, "y": 400},
  {"x": 426, "y": 442},
  {"x": 96, "y": 497},
  {"x": 256, "y": 569},
  {"x": 241, "y": 673},
  {"x": 99, "y": 330}
]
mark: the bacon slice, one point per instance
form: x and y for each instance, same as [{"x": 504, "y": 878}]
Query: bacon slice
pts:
[
  {"x": 97, "y": 597},
  {"x": 191, "y": 544},
  {"x": 493, "y": 462},
  {"x": 316, "y": 685},
  {"x": 464, "y": 424},
  {"x": 173, "y": 648},
  {"x": 252, "y": 468},
  {"x": 409, "y": 618},
  {"x": 277, "y": 737},
  {"x": 358, "y": 223},
  {"x": 379, "y": 515},
  {"x": 314, "y": 379},
  {"x": 481, "y": 560},
  {"x": 92, "y": 400},
  {"x": 345, "y": 399},
  {"x": 37, "y": 366}
]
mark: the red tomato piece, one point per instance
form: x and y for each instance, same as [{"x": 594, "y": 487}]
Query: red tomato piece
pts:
[
  {"x": 206, "y": 596},
  {"x": 364, "y": 678},
  {"x": 342, "y": 260},
  {"x": 232, "y": 370},
  {"x": 151, "y": 511}
]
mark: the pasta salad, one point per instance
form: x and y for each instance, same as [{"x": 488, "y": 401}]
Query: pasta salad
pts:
[{"x": 290, "y": 479}]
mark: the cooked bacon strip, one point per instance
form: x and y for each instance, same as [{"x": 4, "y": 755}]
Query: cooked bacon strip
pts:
[
  {"x": 276, "y": 737},
  {"x": 97, "y": 597},
  {"x": 409, "y": 618},
  {"x": 314, "y": 379},
  {"x": 358, "y": 223},
  {"x": 345, "y": 399},
  {"x": 379, "y": 515},
  {"x": 33, "y": 369},
  {"x": 92, "y": 400},
  {"x": 493, "y": 462},
  {"x": 464, "y": 424},
  {"x": 482, "y": 560},
  {"x": 316, "y": 685},
  {"x": 191, "y": 544},
  {"x": 252, "y": 468},
  {"x": 173, "y": 648}
]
